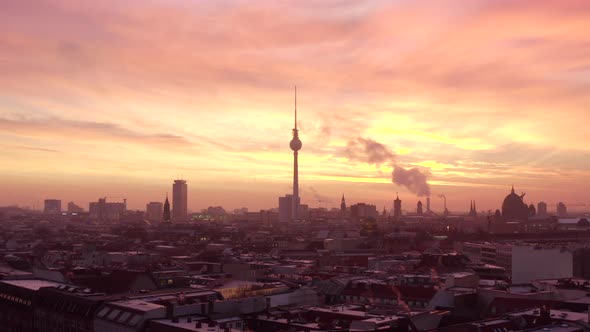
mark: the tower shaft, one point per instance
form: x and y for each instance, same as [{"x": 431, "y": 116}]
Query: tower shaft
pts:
[{"x": 295, "y": 207}]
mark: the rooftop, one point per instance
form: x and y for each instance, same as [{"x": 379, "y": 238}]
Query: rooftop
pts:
[{"x": 32, "y": 284}]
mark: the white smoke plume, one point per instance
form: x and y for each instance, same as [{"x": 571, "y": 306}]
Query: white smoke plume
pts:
[
  {"x": 414, "y": 179},
  {"x": 368, "y": 151},
  {"x": 372, "y": 152}
]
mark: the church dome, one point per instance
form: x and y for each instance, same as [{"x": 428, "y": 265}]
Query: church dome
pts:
[{"x": 513, "y": 207}]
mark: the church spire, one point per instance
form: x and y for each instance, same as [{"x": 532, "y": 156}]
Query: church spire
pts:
[{"x": 166, "y": 215}]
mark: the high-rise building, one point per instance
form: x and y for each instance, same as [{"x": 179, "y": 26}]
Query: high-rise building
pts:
[
  {"x": 52, "y": 206},
  {"x": 153, "y": 211},
  {"x": 166, "y": 214},
  {"x": 419, "y": 210},
  {"x": 397, "y": 208},
  {"x": 295, "y": 145},
  {"x": 342, "y": 205},
  {"x": 285, "y": 208},
  {"x": 561, "y": 210},
  {"x": 179, "y": 201},
  {"x": 73, "y": 207},
  {"x": 542, "y": 209},
  {"x": 428, "y": 204}
]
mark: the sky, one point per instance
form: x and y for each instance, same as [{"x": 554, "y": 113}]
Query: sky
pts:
[{"x": 116, "y": 99}]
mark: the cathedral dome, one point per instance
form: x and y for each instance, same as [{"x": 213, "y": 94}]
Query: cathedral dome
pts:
[{"x": 513, "y": 207}]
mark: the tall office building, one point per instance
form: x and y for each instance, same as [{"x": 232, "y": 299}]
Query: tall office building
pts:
[
  {"x": 154, "y": 211},
  {"x": 52, "y": 206},
  {"x": 285, "y": 208},
  {"x": 397, "y": 208},
  {"x": 419, "y": 210},
  {"x": 542, "y": 209},
  {"x": 179, "y": 201},
  {"x": 561, "y": 210}
]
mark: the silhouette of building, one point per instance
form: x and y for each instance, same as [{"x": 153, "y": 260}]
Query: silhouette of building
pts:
[
  {"x": 397, "y": 208},
  {"x": 295, "y": 145},
  {"x": 472, "y": 210},
  {"x": 419, "y": 208},
  {"x": 72, "y": 207},
  {"x": 52, "y": 206},
  {"x": 342, "y": 205},
  {"x": 514, "y": 208},
  {"x": 103, "y": 211},
  {"x": 532, "y": 210},
  {"x": 363, "y": 211},
  {"x": 542, "y": 209},
  {"x": 561, "y": 210},
  {"x": 166, "y": 214},
  {"x": 154, "y": 211},
  {"x": 179, "y": 201},
  {"x": 428, "y": 205},
  {"x": 286, "y": 208}
]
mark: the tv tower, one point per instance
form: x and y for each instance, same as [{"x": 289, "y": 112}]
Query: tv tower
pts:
[{"x": 295, "y": 145}]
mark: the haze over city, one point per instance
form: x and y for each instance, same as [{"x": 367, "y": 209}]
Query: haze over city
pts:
[
  {"x": 294, "y": 166},
  {"x": 116, "y": 99}
]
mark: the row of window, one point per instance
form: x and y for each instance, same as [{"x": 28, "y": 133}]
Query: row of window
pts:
[
  {"x": 419, "y": 304},
  {"x": 15, "y": 299}
]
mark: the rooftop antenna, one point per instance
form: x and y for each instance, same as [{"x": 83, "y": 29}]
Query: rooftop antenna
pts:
[{"x": 296, "y": 107}]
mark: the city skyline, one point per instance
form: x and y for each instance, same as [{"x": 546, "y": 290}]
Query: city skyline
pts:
[{"x": 118, "y": 102}]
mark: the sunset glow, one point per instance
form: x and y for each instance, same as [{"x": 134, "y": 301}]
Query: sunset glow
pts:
[{"x": 118, "y": 98}]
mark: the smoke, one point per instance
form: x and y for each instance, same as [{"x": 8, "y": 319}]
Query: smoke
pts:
[
  {"x": 317, "y": 196},
  {"x": 369, "y": 151},
  {"x": 372, "y": 152},
  {"x": 414, "y": 179}
]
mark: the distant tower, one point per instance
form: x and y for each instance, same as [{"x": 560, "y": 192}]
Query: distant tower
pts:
[
  {"x": 397, "y": 208},
  {"x": 561, "y": 210},
  {"x": 532, "y": 211},
  {"x": 295, "y": 145},
  {"x": 166, "y": 216},
  {"x": 428, "y": 204},
  {"x": 542, "y": 209},
  {"x": 472, "y": 210},
  {"x": 342, "y": 204},
  {"x": 419, "y": 208},
  {"x": 179, "y": 201}
]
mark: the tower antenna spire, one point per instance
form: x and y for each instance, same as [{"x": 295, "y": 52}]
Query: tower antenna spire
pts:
[{"x": 296, "y": 107}]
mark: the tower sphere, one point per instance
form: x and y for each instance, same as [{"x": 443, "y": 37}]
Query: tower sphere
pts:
[{"x": 295, "y": 144}]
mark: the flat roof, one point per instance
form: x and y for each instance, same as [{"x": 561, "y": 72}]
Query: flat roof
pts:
[
  {"x": 136, "y": 305},
  {"x": 32, "y": 284}
]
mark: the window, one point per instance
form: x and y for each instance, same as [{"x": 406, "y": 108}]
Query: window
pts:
[
  {"x": 103, "y": 312},
  {"x": 124, "y": 317},
  {"x": 113, "y": 314},
  {"x": 134, "y": 320}
]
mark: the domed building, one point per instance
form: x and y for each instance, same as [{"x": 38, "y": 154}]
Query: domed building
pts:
[{"x": 514, "y": 208}]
